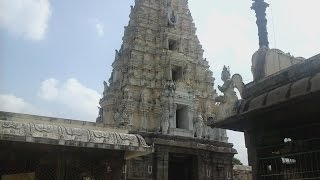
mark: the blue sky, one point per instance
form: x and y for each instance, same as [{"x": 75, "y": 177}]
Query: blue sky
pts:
[{"x": 54, "y": 55}]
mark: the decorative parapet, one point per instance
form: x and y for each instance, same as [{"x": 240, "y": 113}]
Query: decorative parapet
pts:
[
  {"x": 60, "y": 134},
  {"x": 189, "y": 143}
]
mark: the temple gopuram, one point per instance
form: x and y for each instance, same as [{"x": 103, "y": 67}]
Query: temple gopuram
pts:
[{"x": 161, "y": 87}]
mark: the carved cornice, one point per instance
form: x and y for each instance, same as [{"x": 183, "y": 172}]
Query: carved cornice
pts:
[{"x": 63, "y": 135}]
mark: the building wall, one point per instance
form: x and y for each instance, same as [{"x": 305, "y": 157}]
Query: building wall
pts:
[
  {"x": 183, "y": 158},
  {"x": 241, "y": 172}
]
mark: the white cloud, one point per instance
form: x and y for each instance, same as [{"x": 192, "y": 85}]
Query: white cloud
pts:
[
  {"x": 48, "y": 89},
  {"x": 26, "y": 18},
  {"x": 100, "y": 29},
  {"x": 11, "y": 103},
  {"x": 98, "y": 25},
  {"x": 74, "y": 100}
]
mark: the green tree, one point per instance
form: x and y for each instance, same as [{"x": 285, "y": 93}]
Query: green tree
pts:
[{"x": 236, "y": 161}]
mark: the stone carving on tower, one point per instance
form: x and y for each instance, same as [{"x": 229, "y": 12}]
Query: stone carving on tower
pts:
[{"x": 160, "y": 81}]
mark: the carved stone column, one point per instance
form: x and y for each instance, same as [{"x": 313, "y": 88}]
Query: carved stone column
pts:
[
  {"x": 162, "y": 165},
  {"x": 190, "y": 117},
  {"x": 259, "y": 6},
  {"x": 173, "y": 108}
]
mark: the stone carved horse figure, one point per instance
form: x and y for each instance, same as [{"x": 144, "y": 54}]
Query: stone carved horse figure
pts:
[{"x": 229, "y": 101}]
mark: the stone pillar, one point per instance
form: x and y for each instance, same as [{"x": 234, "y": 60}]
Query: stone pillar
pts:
[
  {"x": 252, "y": 154},
  {"x": 190, "y": 118},
  {"x": 201, "y": 168},
  {"x": 173, "y": 111},
  {"x": 162, "y": 165},
  {"x": 61, "y": 167},
  {"x": 259, "y": 6}
]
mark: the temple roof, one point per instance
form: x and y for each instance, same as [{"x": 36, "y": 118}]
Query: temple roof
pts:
[
  {"x": 295, "y": 90},
  {"x": 66, "y": 132}
]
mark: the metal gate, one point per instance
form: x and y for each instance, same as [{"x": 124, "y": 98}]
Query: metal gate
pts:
[
  {"x": 59, "y": 163},
  {"x": 292, "y": 160}
]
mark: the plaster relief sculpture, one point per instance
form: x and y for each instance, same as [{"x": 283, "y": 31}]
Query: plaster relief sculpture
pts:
[
  {"x": 199, "y": 126},
  {"x": 229, "y": 101},
  {"x": 55, "y": 132},
  {"x": 9, "y": 127},
  {"x": 165, "y": 121},
  {"x": 169, "y": 88},
  {"x": 172, "y": 16}
]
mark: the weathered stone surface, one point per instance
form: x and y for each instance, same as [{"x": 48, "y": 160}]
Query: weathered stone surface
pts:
[
  {"x": 300, "y": 87},
  {"x": 277, "y": 95},
  {"x": 315, "y": 83},
  {"x": 63, "y": 135},
  {"x": 160, "y": 80},
  {"x": 307, "y": 68},
  {"x": 257, "y": 102},
  {"x": 162, "y": 88}
]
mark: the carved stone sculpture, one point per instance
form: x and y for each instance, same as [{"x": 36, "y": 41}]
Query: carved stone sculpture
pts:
[
  {"x": 229, "y": 100},
  {"x": 199, "y": 126},
  {"x": 172, "y": 16},
  {"x": 59, "y": 132},
  {"x": 165, "y": 121}
]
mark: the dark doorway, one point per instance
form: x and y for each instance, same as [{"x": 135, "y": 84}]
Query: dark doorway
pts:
[
  {"x": 182, "y": 166},
  {"x": 182, "y": 117},
  {"x": 177, "y": 73}
]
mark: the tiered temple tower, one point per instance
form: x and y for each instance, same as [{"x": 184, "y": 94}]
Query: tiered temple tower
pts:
[
  {"x": 161, "y": 87},
  {"x": 160, "y": 80}
]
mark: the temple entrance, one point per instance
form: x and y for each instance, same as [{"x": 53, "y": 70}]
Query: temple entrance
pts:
[{"x": 182, "y": 166}]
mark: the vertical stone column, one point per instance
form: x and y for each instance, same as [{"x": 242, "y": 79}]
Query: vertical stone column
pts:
[
  {"x": 173, "y": 111},
  {"x": 190, "y": 118},
  {"x": 252, "y": 153},
  {"x": 162, "y": 165},
  {"x": 259, "y": 6},
  {"x": 201, "y": 167},
  {"x": 61, "y": 167}
]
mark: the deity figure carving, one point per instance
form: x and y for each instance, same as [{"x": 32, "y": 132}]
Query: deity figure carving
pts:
[
  {"x": 145, "y": 95},
  {"x": 198, "y": 126},
  {"x": 164, "y": 122},
  {"x": 121, "y": 116},
  {"x": 169, "y": 88},
  {"x": 128, "y": 94},
  {"x": 144, "y": 107},
  {"x": 172, "y": 16},
  {"x": 229, "y": 101}
]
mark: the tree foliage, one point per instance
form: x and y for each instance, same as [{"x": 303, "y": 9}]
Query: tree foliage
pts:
[{"x": 236, "y": 161}]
